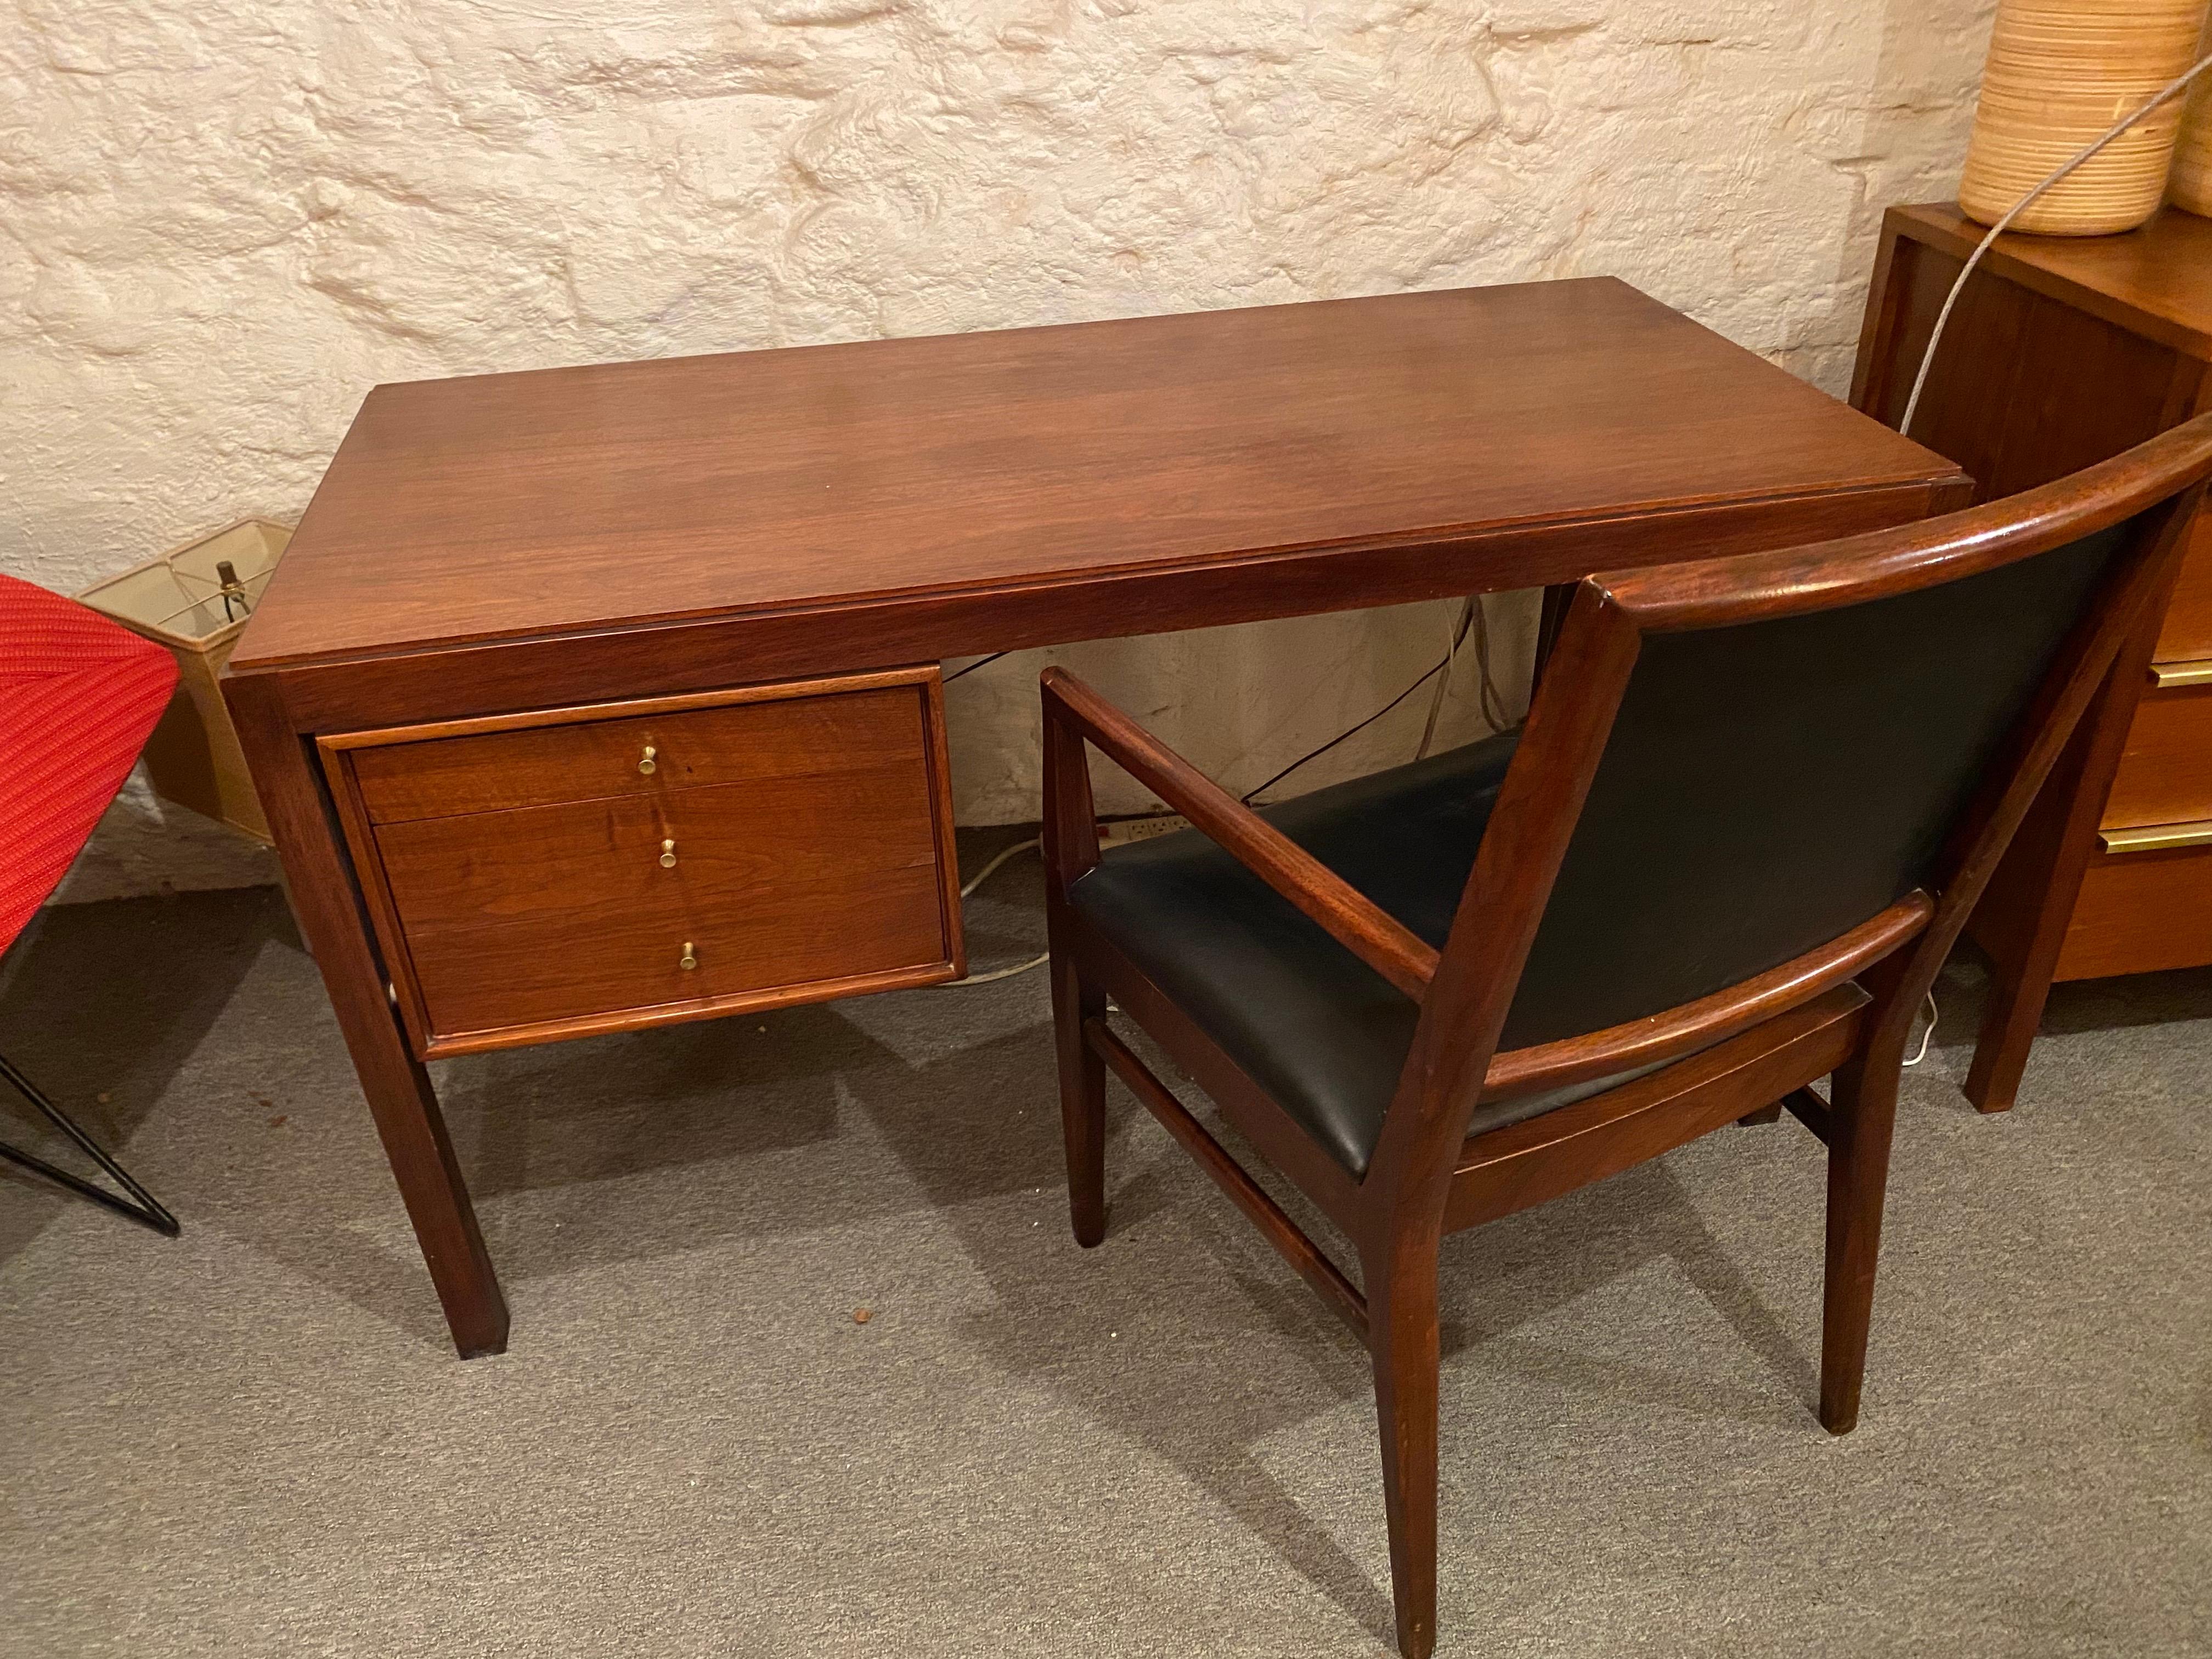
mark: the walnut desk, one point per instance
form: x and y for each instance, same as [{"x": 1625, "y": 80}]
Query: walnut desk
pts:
[{"x": 597, "y": 698}]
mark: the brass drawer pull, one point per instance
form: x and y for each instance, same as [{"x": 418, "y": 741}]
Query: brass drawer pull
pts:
[
  {"x": 688, "y": 959},
  {"x": 2165, "y": 674},
  {"x": 668, "y": 855},
  {"x": 645, "y": 762},
  {"x": 2156, "y": 837}
]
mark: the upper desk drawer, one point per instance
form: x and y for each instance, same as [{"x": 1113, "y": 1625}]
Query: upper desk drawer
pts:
[
  {"x": 567, "y": 871},
  {"x": 595, "y": 754}
]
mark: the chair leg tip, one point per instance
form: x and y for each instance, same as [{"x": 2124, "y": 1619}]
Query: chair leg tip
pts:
[
  {"x": 1839, "y": 1422},
  {"x": 1990, "y": 1095}
]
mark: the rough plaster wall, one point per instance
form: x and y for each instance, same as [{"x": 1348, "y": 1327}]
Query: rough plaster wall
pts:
[{"x": 225, "y": 220}]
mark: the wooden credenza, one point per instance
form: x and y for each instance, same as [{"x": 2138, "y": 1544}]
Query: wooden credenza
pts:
[{"x": 2061, "y": 352}]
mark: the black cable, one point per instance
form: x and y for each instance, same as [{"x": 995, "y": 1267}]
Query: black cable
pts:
[
  {"x": 1369, "y": 721},
  {"x": 980, "y": 662}
]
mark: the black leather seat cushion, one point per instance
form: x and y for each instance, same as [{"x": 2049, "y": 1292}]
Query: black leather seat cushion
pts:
[{"x": 1320, "y": 1030}]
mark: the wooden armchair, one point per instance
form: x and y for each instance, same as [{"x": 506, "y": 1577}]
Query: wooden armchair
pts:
[{"x": 1725, "y": 857}]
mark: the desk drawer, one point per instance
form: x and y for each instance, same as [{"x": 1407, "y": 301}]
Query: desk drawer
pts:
[
  {"x": 823, "y": 870},
  {"x": 594, "y": 754},
  {"x": 2166, "y": 772}
]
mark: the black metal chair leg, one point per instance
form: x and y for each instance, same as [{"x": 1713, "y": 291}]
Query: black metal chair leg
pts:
[{"x": 147, "y": 1211}]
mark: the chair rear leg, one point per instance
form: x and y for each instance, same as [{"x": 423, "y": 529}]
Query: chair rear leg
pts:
[
  {"x": 1862, "y": 1118},
  {"x": 1082, "y": 1096},
  {"x": 1401, "y": 1309},
  {"x": 1763, "y": 1114}
]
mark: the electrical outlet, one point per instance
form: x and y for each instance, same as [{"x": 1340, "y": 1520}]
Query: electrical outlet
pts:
[{"x": 1121, "y": 832}]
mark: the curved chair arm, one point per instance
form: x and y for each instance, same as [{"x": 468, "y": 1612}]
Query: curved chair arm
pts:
[{"x": 1362, "y": 926}]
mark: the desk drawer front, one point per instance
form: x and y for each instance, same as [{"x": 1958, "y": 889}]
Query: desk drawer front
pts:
[
  {"x": 822, "y": 871},
  {"x": 641, "y": 756}
]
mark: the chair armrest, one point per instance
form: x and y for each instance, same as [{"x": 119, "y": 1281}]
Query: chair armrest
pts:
[{"x": 1364, "y": 928}]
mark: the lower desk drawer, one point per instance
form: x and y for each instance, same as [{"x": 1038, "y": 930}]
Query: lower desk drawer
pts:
[
  {"x": 2141, "y": 911},
  {"x": 827, "y": 874}
]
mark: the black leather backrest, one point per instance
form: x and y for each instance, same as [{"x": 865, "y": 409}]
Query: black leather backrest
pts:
[{"x": 1771, "y": 786}]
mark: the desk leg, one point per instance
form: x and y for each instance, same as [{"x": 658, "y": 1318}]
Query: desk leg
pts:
[
  {"x": 400, "y": 1098},
  {"x": 2022, "y": 919}
]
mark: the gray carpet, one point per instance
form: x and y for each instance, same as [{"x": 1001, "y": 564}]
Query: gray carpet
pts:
[{"x": 256, "y": 1441}]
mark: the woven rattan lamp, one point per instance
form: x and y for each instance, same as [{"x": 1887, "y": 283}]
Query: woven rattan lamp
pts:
[
  {"x": 2060, "y": 72},
  {"x": 2193, "y": 158}
]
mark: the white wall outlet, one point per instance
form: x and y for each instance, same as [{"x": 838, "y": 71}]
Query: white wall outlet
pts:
[{"x": 1120, "y": 832}]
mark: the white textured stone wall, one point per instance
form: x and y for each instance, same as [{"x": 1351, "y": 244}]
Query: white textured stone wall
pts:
[{"x": 223, "y": 221}]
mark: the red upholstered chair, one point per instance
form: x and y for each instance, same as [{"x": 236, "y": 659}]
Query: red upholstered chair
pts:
[{"x": 78, "y": 696}]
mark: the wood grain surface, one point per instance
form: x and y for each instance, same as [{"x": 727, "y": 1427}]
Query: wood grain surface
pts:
[
  {"x": 2155, "y": 282},
  {"x": 504, "y": 507},
  {"x": 812, "y": 733},
  {"x": 558, "y": 912},
  {"x": 2026, "y": 388},
  {"x": 531, "y": 882},
  {"x": 2140, "y": 911}
]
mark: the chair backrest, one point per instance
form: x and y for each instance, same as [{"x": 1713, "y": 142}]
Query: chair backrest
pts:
[
  {"x": 1770, "y": 785},
  {"x": 1732, "y": 764}
]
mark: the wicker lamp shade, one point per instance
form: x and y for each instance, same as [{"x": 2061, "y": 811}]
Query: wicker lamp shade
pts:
[
  {"x": 2060, "y": 72},
  {"x": 2193, "y": 161},
  {"x": 196, "y": 599}
]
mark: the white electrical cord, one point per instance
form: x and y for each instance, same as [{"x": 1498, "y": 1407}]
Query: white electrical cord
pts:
[
  {"x": 1472, "y": 617},
  {"x": 968, "y": 889},
  {"x": 1493, "y": 700},
  {"x": 1455, "y": 631},
  {"x": 1000, "y": 973},
  {"x": 2172, "y": 89},
  {"x": 1928, "y": 1036}
]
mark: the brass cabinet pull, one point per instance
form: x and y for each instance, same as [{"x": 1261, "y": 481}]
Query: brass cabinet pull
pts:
[
  {"x": 2165, "y": 674},
  {"x": 2156, "y": 837},
  {"x": 688, "y": 960},
  {"x": 645, "y": 761},
  {"x": 668, "y": 855}
]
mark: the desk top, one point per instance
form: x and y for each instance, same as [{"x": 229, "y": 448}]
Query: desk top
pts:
[{"x": 566, "y": 500}]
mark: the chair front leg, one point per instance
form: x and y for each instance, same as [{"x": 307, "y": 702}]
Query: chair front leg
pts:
[
  {"x": 1401, "y": 1309},
  {"x": 1861, "y": 1119}
]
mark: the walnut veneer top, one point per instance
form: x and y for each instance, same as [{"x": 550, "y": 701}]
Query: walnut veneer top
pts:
[{"x": 567, "y": 500}]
